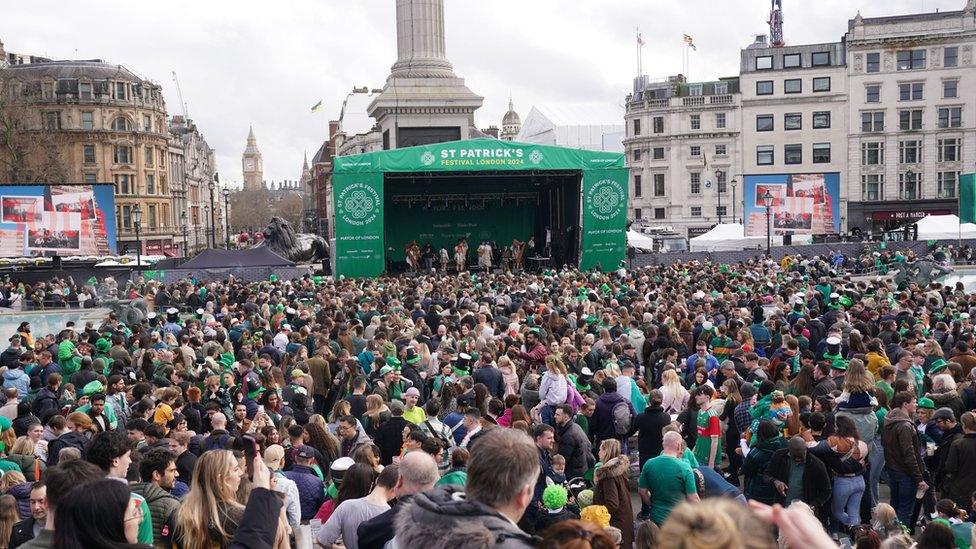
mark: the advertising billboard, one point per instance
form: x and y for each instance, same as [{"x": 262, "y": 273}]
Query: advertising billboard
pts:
[
  {"x": 43, "y": 220},
  {"x": 806, "y": 203}
]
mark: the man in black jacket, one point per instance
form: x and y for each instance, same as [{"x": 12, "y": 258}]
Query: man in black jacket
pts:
[
  {"x": 389, "y": 437},
  {"x": 650, "y": 424},
  {"x": 490, "y": 375},
  {"x": 573, "y": 444},
  {"x": 795, "y": 463},
  {"x": 25, "y": 530},
  {"x": 417, "y": 473}
]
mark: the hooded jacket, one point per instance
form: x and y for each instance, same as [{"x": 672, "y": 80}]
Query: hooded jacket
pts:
[
  {"x": 27, "y": 465},
  {"x": 311, "y": 491},
  {"x": 612, "y": 491},
  {"x": 161, "y": 504},
  {"x": 575, "y": 447},
  {"x": 71, "y": 439},
  {"x": 601, "y": 424},
  {"x": 10, "y": 357},
  {"x": 21, "y": 493},
  {"x": 18, "y": 379},
  {"x": 901, "y": 444},
  {"x": 444, "y": 519}
]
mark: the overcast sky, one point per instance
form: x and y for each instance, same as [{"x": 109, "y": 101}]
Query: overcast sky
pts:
[{"x": 266, "y": 63}]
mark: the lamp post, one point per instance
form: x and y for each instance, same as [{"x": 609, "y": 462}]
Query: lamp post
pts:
[
  {"x": 733, "y": 199},
  {"x": 136, "y": 222},
  {"x": 226, "y": 193},
  {"x": 767, "y": 199},
  {"x": 186, "y": 242},
  {"x": 213, "y": 185},
  {"x": 718, "y": 190}
]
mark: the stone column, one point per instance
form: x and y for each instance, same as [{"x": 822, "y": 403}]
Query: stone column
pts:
[{"x": 420, "y": 40}]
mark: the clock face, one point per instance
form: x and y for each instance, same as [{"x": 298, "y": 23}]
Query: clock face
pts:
[{"x": 249, "y": 165}]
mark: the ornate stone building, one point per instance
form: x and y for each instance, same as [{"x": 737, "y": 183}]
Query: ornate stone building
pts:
[
  {"x": 511, "y": 123},
  {"x": 192, "y": 168}
]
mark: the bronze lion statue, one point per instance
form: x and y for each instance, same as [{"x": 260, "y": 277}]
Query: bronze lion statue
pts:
[{"x": 282, "y": 239}]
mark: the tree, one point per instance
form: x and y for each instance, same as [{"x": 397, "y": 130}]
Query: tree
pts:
[
  {"x": 250, "y": 210},
  {"x": 290, "y": 209},
  {"x": 29, "y": 152}
]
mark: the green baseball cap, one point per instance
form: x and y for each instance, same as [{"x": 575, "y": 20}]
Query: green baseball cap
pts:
[{"x": 926, "y": 402}]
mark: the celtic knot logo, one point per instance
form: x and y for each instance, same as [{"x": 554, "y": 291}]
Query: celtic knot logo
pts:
[
  {"x": 535, "y": 157},
  {"x": 606, "y": 199},
  {"x": 427, "y": 158},
  {"x": 358, "y": 204}
]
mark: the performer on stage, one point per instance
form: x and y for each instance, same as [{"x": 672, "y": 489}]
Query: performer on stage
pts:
[
  {"x": 461, "y": 254},
  {"x": 413, "y": 255},
  {"x": 445, "y": 258},
  {"x": 507, "y": 259},
  {"x": 518, "y": 254},
  {"x": 484, "y": 256}
]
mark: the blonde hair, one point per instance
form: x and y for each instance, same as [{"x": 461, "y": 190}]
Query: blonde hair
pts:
[
  {"x": 714, "y": 523},
  {"x": 11, "y": 479},
  {"x": 554, "y": 364},
  {"x": 317, "y": 419},
  {"x": 23, "y": 446},
  {"x": 672, "y": 381},
  {"x": 610, "y": 447},
  {"x": 858, "y": 379},
  {"x": 208, "y": 492}
]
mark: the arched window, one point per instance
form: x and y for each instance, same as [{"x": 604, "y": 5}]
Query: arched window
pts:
[{"x": 121, "y": 124}]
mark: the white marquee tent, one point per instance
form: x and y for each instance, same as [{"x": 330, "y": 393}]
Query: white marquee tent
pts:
[
  {"x": 640, "y": 241},
  {"x": 729, "y": 237},
  {"x": 944, "y": 227},
  {"x": 591, "y": 126}
]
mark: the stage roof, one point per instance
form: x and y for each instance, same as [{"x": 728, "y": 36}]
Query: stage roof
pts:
[{"x": 478, "y": 155}]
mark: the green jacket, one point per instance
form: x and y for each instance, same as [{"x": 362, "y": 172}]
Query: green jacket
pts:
[{"x": 456, "y": 477}]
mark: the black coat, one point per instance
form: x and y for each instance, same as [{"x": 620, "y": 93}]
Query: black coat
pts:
[
  {"x": 375, "y": 532},
  {"x": 650, "y": 437},
  {"x": 21, "y": 533},
  {"x": 575, "y": 447},
  {"x": 816, "y": 481},
  {"x": 492, "y": 378},
  {"x": 389, "y": 437}
]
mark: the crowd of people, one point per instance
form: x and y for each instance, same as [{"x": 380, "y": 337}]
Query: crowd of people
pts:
[{"x": 758, "y": 404}]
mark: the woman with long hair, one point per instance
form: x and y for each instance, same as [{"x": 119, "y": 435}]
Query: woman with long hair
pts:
[
  {"x": 611, "y": 489},
  {"x": 730, "y": 391},
  {"x": 553, "y": 388},
  {"x": 100, "y": 514},
  {"x": 803, "y": 383},
  {"x": 369, "y": 454},
  {"x": 210, "y": 513},
  {"x": 377, "y": 413},
  {"x": 674, "y": 393},
  {"x": 23, "y": 453},
  {"x": 357, "y": 482},
  {"x": 845, "y": 455},
  {"x": 322, "y": 440},
  {"x": 8, "y": 517}
]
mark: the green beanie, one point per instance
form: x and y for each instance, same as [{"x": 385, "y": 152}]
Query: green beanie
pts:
[{"x": 554, "y": 497}]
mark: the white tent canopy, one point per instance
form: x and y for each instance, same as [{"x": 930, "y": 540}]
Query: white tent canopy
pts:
[
  {"x": 640, "y": 241},
  {"x": 729, "y": 237},
  {"x": 944, "y": 227},
  {"x": 591, "y": 126}
]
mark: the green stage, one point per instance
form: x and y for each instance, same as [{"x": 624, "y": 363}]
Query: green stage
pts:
[{"x": 481, "y": 189}]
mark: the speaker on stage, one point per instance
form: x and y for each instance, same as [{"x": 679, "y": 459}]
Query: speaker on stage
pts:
[{"x": 56, "y": 262}]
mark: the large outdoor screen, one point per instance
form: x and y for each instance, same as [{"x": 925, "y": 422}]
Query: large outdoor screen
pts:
[
  {"x": 805, "y": 203},
  {"x": 44, "y": 220}
]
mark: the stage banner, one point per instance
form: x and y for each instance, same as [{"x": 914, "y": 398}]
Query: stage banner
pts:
[
  {"x": 604, "y": 242},
  {"x": 802, "y": 204},
  {"x": 967, "y": 198},
  {"x": 358, "y": 199}
]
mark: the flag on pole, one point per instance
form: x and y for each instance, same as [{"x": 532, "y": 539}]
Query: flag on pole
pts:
[
  {"x": 690, "y": 41},
  {"x": 967, "y": 198},
  {"x": 640, "y": 39},
  {"x": 317, "y": 107}
]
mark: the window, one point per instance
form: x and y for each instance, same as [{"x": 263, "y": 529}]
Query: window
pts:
[
  {"x": 146, "y": 123},
  {"x": 950, "y": 56},
  {"x": 764, "y": 155},
  {"x": 910, "y": 91},
  {"x": 658, "y": 213},
  {"x": 659, "y": 184},
  {"x": 118, "y": 91},
  {"x": 721, "y": 88},
  {"x": 123, "y": 184},
  {"x": 150, "y": 183},
  {"x": 909, "y": 185},
  {"x": 872, "y": 121},
  {"x": 793, "y": 154},
  {"x": 949, "y": 150},
  {"x": 872, "y": 93},
  {"x": 950, "y": 117},
  {"x": 791, "y": 61},
  {"x": 696, "y": 211},
  {"x": 89, "y": 154},
  {"x": 696, "y": 150},
  {"x": 909, "y": 60},
  {"x": 695, "y": 90},
  {"x": 821, "y": 120},
  {"x": 123, "y": 154},
  {"x": 793, "y": 121},
  {"x": 52, "y": 120},
  {"x": 121, "y": 124},
  {"x": 637, "y": 155},
  {"x": 764, "y": 123},
  {"x": 47, "y": 90},
  {"x": 910, "y": 119},
  {"x": 721, "y": 211},
  {"x": 658, "y": 124},
  {"x": 947, "y": 184},
  {"x": 821, "y": 84},
  {"x": 873, "y": 62},
  {"x": 821, "y": 153},
  {"x": 872, "y": 153},
  {"x": 91, "y": 178},
  {"x": 658, "y": 153},
  {"x": 910, "y": 151},
  {"x": 793, "y": 85},
  {"x": 695, "y": 183},
  {"x": 637, "y": 126},
  {"x": 638, "y": 187},
  {"x": 638, "y": 213},
  {"x": 872, "y": 187},
  {"x": 149, "y": 156},
  {"x": 85, "y": 90},
  {"x": 764, "y": 87},
  {"x": 720, "y": 120},
  {"x": 721, "y": 179},
  {"x": 696, "y": 121},
  {"x": 125, "y": 217},
  {"x": 764, "y": 62},
  {"x": 950, "y": 88},
  {"x": 820, "y": 59},
  {"x": 152, "y": 216},
  {"x": 87, "y": 120},
  {"x": 720, "y": 150}
]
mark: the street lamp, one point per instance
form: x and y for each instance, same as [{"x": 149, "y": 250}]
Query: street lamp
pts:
[
  {"x": 186, "y": 243},
  {"x": 718, "y": 189},
  {"x": 767, "y": 199},
  {"x": 733, "y": 199},
  {"x": 206, "y": 231},
  {"x": 213, "y": 211},
  {"x": 226, "y": 192},
  {"x": 136, "y": 222}
]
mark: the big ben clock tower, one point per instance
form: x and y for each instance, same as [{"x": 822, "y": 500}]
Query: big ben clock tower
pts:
[{"x": 251, "y": 163}]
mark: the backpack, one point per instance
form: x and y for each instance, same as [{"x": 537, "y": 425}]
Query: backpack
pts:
[{"x": 621, "y": 418}]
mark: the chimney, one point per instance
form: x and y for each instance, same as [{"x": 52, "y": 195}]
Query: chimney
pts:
[{"x": 333, "y": 128}]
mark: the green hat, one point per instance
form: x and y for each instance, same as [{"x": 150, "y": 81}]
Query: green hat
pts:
[
  {"x": 92, "y": 388},
  {"x": 937, "y": 366},
  {"x": 926, "y": 402},
  {"x": 103, "y": 345},
  {"x": 394, "y": 362},
  {"x": 385, "y": 370},
  {"x": 273, "y": 278},
  {"x": 5, "y": 423},
  {"x": 839, "y": 364},
  {"x": 554, "y": 497},
  {"x": 226, "y": 360}
]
